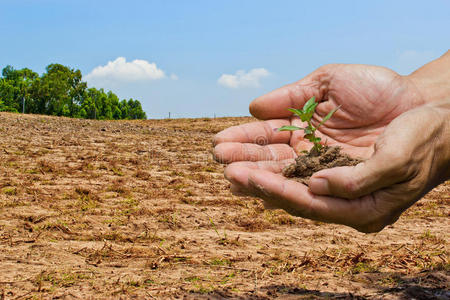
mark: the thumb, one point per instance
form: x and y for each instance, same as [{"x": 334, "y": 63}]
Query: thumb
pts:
[
  {"x": 352, "y": 182},
  {"x": 275, "y": 104},
  {"x": 400, "y": 155}
]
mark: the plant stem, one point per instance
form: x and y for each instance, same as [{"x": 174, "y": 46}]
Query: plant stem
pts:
[{"x": 317, "y": 145}]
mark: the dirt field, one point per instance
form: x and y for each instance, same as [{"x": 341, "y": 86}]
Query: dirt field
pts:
[{"x": 138, "y": 209}]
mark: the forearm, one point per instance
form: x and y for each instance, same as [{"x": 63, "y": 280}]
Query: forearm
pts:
[{"x": 433, "y": 79}]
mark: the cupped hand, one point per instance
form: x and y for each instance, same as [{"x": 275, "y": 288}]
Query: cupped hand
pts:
[
  {"x": 370, "y": 98},
  {"x": 410, "y": 158}
]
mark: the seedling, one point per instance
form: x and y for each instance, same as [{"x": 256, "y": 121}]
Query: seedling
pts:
[{"x": 305, "y": 115}]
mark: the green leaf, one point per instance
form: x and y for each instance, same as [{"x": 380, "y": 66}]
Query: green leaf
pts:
[
  {"x": 289, "y": 128},
  {"x": 310, "y": 105},
  {"x": 309, "y": 130},
  {"x": 298, "y": 112},
  {"x": 306, "y": 116},
  {"x": 327, "y": 117},
  {"x": 310, "y": 137},
  {"x": 312, "y": 108}
]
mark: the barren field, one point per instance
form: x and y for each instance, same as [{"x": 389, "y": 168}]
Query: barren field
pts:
[{"x": 138, "y": 209}]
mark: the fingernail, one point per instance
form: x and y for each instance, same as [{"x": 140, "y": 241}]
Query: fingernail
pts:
[{"x": 319, "y": 186}]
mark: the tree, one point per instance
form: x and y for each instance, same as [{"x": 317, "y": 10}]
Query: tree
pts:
[
  {"x": 124, "y": 109},
  {"x": 7, "y": 95},
  {"x": 60, "y": 91},
  {"x": 16, "y": 87},
  {"x": 58, "y": 87}
]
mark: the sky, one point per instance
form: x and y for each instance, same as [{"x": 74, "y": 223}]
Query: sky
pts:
[{"x": 204, "y": 58}]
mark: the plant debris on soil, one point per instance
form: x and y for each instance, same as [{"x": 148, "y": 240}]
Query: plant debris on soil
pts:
[
  {"x": 312, "y": 162},
  {"x": 140, "y": 210}
]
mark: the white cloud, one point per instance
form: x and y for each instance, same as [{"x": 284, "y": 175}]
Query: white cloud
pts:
[
  {"x": 243, "y": 79},
  {"x": 173, "y": 77},
  {"x": 120, "y": 70}
]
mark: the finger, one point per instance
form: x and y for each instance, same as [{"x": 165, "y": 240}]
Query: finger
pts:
[
  {"x": 237, "y": 172},
  {"x": 296, "y": 199},
  {"x": 275, "y": 104},
  {"x": 238, "y": 190},
  {"x": 352, "y": 182},
  {"x": 394, "y": 160},
  {"x": 261, "y": 133},
  {"x": 268, "y": 205},
  {"x": 341, "y": 118},
  {"x": 233, "y": 152}
]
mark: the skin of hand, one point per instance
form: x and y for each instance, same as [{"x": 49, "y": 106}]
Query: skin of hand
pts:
[
  {"x": 370, "y": 98},
  {"x": 410, "y": 159}
]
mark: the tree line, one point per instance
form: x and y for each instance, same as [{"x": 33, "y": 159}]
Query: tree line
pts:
[{"x": 60, "y": 91}]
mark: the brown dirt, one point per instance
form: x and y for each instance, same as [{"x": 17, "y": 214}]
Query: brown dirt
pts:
[
  {"x": 138, "y": 209},
  {"x": 312, "y": 162}
]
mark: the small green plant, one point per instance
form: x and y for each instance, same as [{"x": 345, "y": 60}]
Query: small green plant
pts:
[{"x": 305, "y": 114}]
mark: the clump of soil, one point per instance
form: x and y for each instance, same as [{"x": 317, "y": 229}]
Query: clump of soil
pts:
[{"x": 308, "y": 164}]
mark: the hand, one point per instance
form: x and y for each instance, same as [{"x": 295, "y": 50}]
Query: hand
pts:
[
  {"x": 411, "y": 157},
  {"x": 370, "y": 98}
]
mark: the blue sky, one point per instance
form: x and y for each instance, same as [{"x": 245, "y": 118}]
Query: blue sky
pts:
[{"x": 200, "y": 58}]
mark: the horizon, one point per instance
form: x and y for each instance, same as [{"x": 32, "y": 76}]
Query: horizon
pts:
[{"x": 202, "y": 59}]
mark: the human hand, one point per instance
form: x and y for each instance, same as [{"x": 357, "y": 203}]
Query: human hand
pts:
[
  {"x": 411, "y": 156},
  {"x": 370, "y": 98}
]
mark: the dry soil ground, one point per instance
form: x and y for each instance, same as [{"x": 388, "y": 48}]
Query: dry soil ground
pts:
[{"x": 138, "y": 209}]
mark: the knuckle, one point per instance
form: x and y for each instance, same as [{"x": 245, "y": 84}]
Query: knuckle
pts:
[
  {"x": 347, "y": 186},
  {"x": 351, "y": 189},
  {"x": 327, "y": 67},
  {"x": 350, "y": 182}
]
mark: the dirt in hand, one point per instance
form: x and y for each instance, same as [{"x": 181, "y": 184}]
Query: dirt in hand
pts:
[{"x": 312, "y": 162}]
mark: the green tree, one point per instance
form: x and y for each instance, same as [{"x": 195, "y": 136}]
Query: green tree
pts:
[
  {"x": 135, "y": 110},
  {"x": 16, "y": 87},
  {"x": 124, "y": 109},
  {"x": 7, "y": 92},
  {"x": 82, "y": 114},
  {"x": 60, "y": 91},
  {"x": 59, "y": 86}
]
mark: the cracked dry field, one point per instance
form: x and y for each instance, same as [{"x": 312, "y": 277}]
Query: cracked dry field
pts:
[{"x": 138, "y": 209}]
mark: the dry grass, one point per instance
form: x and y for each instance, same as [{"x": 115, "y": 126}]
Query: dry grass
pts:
[{"x": 140, "y": 209}]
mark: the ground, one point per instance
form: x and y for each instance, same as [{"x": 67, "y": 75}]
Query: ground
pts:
[{"x": 138, "y": 209}]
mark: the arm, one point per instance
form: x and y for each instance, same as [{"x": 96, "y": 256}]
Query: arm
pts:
[{"x": 433, "y": 79}]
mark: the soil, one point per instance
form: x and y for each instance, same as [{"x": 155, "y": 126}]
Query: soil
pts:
[
  {"x": 312, "y": 162},
  {"x": 139, "y": 210}
]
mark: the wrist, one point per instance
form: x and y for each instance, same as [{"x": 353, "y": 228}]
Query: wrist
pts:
[
  {"x": 442, "y": 141},
  {"x": 446, "y": 134},
  {"x": 432, "y": 81}
]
